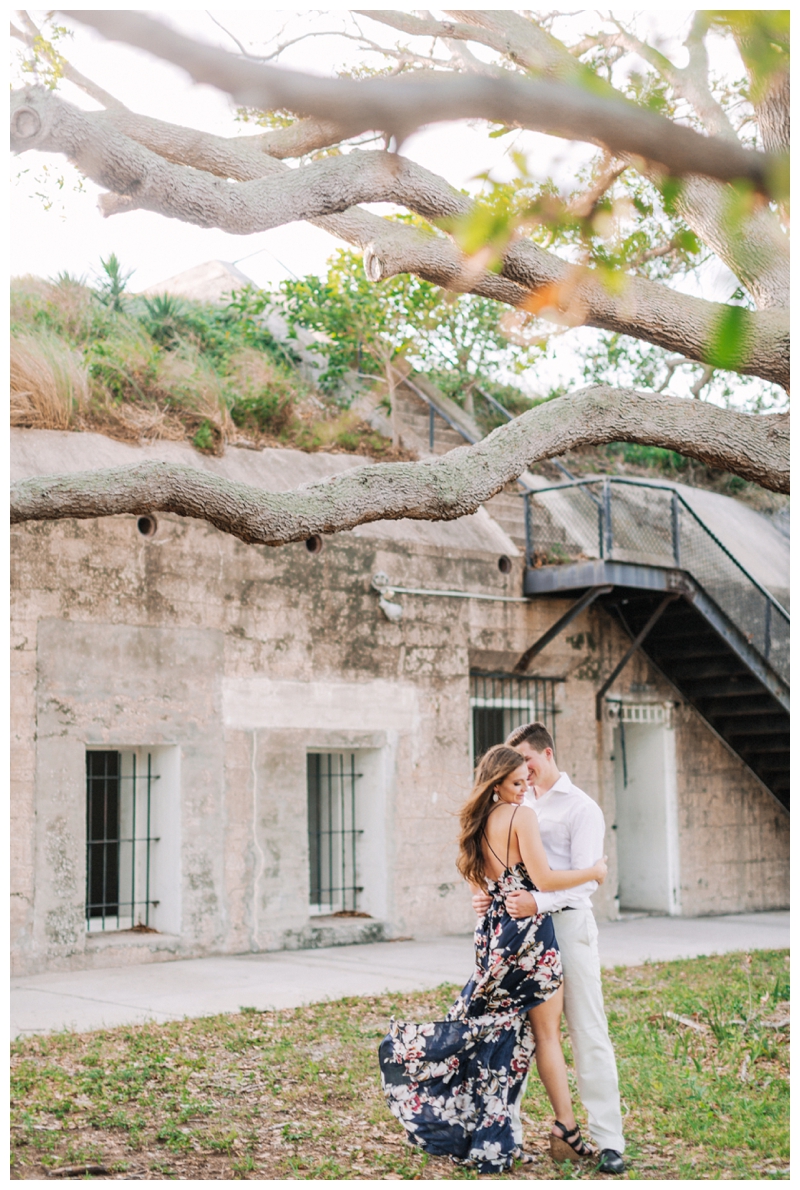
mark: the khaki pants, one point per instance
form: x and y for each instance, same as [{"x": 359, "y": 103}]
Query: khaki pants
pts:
[{"x": 593, "y": 1055}]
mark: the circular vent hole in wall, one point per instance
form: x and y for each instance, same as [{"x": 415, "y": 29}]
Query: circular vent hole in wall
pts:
[
  {"x": 314, "y": 544},
  {"x": 147, "y": 526},
  {"x": 504, "y": 564}
]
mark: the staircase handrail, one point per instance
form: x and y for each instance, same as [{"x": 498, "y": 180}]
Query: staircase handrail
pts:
[
  {"x": 494, "y": 403},
  {"x": 432, "y": 405},
  {"x": 528, "y": 491},
  {"x": 665, "y": 487}
]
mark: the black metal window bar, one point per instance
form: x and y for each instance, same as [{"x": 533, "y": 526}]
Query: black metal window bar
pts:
[
  {"x": 333, "y": 832},
  {"x": 118, "y": 804},
  {"x": 500, "y": 702},
  {"x": 633, "y": 520}
]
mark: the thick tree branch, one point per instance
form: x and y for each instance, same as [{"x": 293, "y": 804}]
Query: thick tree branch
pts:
[
  {"x": 452, "y": 486},
  {"x": 649, "y": 310},
  {"x": 524, "y": 42},
  {"x": 398, "y": 106},
  {"x": 690, "y": 82},
  {"x": 304, "y": 136},
  {"x": 243, "y": 158},
  {"x": 455, "y": 34},
  {"x": 141, "y": 179},
  {"x": 753, "y": 245}
]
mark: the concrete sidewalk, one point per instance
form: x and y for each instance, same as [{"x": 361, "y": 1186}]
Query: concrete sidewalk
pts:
[{"x": 84, "y": 1000}]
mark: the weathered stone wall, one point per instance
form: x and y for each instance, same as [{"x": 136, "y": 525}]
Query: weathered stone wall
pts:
[
  {"x": 734, "y": 836},
  {"x": 242, "y": 657}
]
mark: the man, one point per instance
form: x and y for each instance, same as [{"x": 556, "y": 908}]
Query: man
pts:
[{"x": 572, "y": 829}]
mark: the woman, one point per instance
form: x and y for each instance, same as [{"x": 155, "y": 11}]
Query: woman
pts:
[{"x": 454, "y": 1084}]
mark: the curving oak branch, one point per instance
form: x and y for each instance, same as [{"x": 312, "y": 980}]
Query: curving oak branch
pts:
[
  {"x": 449, "y": 487},
  {"x": 112, "y": 148},
  {"x": 753, "y": 246},
  {"x": 399, "y": 106}
]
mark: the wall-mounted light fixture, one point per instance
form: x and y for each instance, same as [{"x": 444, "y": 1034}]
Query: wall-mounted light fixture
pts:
[{"x": 392, "y": 611}]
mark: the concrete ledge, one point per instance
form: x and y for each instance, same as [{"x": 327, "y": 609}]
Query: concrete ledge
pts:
[
  {"x": 122, "y": 947},
  {"x": 326, "y": 931}
]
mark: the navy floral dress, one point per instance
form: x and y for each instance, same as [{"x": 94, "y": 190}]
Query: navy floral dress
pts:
[{"x": 452, "y": 1084}]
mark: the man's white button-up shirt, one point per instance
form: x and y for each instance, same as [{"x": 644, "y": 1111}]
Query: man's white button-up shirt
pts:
[{"x": 572, "y": 827}]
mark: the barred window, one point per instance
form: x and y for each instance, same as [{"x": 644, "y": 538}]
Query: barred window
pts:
[
  {"x": 119, "y": 841},
  {"x": 333, "y": 833},
  {"x": 500, "y": 702}
]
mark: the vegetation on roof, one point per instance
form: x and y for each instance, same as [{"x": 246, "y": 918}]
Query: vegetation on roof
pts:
[
  {"x": 137, "y": 368},
  {"x": 94, "y": 357}
]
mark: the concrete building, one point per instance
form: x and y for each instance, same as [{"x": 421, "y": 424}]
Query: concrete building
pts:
[{"x": 220, "y": 748}]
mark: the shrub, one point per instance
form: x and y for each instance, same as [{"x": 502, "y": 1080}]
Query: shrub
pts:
[
  {"x": 65, "y": 307},
  {"x": 163, "y": 320},
  {"x": 113, "y": 283},
  {"x": 205, "y": 439},
  {"x": 124, "y": 364},
  {"x": 262, "y": 393}
]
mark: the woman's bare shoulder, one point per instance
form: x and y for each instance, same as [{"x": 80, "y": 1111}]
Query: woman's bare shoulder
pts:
[{"x": 525, "y": 816}]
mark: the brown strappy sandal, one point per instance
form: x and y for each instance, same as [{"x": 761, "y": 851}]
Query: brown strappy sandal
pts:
[{"x": 569, "y": 1145}]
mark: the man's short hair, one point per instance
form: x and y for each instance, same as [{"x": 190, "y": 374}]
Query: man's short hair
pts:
[{"x": 534, "y": 734}]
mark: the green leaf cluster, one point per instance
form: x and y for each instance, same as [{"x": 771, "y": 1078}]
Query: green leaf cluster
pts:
[{"x": 362, "y": 327}]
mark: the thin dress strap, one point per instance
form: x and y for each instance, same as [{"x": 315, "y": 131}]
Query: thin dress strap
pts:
[
  {"x": 488, "y": 844},
  {"x": 508, "y": 844},
  {"x": 485, "y": 837}
]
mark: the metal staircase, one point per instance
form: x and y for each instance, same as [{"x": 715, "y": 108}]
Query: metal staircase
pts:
[
  {"x": 717, "y": 634},
  {"x": 710, "y": 674},
  {"x": 641, "y": 551}
]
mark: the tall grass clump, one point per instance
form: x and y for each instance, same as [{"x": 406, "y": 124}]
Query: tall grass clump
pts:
[
  {"x": 143, "y": 368},
  {"x": 49, "y": 382},
  {"x": 263, "y": 393},
  {"x": 65, "y": 307}
]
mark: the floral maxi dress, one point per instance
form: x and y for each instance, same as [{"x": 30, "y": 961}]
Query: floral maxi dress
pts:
[{"x": 453, "y": 1084}]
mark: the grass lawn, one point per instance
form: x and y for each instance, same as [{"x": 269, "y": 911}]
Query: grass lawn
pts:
[{"x": 702, "y": 1047}]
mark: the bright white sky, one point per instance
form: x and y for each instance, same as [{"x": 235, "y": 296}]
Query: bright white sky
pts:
[{"x": 72, "y": 236}]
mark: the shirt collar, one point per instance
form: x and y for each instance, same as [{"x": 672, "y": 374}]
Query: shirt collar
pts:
[{"x": 562, "y": 785}]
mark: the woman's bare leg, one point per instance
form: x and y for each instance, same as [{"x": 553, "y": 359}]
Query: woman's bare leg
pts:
[{"x": 546, "y": 1024}]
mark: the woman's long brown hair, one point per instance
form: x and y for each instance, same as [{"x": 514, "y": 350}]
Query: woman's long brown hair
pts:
[{"x": 493, "y": 768}]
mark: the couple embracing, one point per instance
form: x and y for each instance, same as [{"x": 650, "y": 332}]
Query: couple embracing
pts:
[{"x": 528, "y": 847}]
